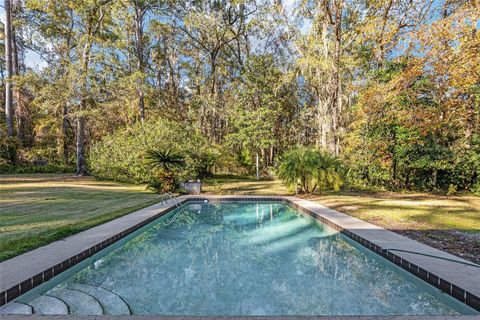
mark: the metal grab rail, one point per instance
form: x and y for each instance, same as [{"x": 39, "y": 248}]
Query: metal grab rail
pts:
[{"x": 168, "y": 196}]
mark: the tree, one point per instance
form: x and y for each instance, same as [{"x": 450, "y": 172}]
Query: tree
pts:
[
  {"x": 413, "y": 123},
  {"x": 306, "y": 169},
  {"x": 93, "y": 15},
  {"x": 255, "y": 112},
  {"x": 167, "y": 161},
  {"x": 9, "y": 112}
]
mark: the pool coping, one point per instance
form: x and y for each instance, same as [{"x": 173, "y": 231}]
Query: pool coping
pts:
[
  {"x": 138, "y": 317},
  {"x": 452, "y": 276}
]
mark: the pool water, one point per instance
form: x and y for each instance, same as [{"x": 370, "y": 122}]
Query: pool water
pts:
[{"x": 246, "y": 258}]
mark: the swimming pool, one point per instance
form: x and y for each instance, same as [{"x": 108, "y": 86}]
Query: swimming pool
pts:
[{"x": 239, "y": 258}]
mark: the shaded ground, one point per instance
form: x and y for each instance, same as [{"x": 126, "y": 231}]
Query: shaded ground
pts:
[
  {"x": 41, "y": 208},
  {"x": 449, "y": 223}
]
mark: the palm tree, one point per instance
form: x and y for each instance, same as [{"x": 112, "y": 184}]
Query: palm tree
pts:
[
  {"x": 167, "y": 161},
  {"x": 307, "y": 169}
]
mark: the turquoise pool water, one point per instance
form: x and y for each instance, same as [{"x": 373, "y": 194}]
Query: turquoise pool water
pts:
[{"x": 242, "y": 258}]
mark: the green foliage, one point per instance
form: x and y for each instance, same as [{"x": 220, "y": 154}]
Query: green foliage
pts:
[
  {"x": 404, "y": 138},
  {"x": 158, "y": 186},
  {"x": 27, "y": 169},
  {"x": 400, "y": 119},
  {"x": 306, "y": 170},
  {"x": 8, "y": 150},
  {"x": 126, "y": 155},
  {"x": 452, "y": 189},
  {"x": 238, "y": 162},
  {"x": 167, "y": 161}
]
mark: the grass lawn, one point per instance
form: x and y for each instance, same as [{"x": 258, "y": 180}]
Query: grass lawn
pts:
[
  {"x": 450, "y": 223},
  {"x": 38, "y": 209}
]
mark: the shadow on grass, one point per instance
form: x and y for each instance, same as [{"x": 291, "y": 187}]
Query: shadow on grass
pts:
[
  {"x": 463, "y": 244},
  {"x": 22, "y": 243}
]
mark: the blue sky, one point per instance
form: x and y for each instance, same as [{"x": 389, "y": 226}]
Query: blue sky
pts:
[{"x": 32, "y": 59}]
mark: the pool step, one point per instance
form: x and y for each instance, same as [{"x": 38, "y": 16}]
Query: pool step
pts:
[
  {"x": 112, "y": 303},
  {"x": 16, "y": 308},
  {"x": 76, "y": 298},
  {"x": 79, "y": 302},
  {"x": 48, "y": 305}
]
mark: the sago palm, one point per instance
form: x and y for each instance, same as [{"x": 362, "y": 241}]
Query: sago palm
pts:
[{"x": 167, "y": 161}]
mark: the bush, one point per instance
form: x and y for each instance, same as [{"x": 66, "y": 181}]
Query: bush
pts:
[
  {"x": 306, "y": 170},
  {"x": 8, "y": 150},
  {"x": 168, "y": 162},
  {"x": 6, "y": 168},
  {"x": 122, "y": 156},
  {"x": 233, "y": 161}
]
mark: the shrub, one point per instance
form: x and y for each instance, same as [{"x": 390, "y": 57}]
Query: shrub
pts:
[
  {"x": 8, "y": 150},
  {"x": 122, "y": 156},
  {"x": 306, "y": 170},
  {"x": 168, "y": 162},
  {"x": 452, "y": 189},
  {"x": 30, "y": 169}
]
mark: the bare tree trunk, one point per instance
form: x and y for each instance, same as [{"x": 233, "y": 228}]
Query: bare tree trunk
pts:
[
  {"x": 271, "y": 155},
  {"x": 17, "y": 92},
  {"x": 80, "y": 141},
  {"x": 81, "y": 164},
  {"x": 9, "y": 69},
  {"x": 434, "y": 178},
  {"x": 256, "y": 167},
  {"x": 63, "y": 137},
  {"x": 337, "y": 107},
  {"x": 323, "y": 99},
  {"x": 139, "y": 14}
]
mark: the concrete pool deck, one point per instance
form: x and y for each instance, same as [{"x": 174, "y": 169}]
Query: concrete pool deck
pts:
[{"x": 455, "y": 276}]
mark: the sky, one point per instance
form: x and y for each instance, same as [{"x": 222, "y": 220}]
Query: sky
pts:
[{"x": 32, "y": 59}]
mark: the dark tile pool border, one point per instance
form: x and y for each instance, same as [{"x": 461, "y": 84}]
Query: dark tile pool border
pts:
[
  {"x": 143, "y": 317},
  {"x": 451, "y": 289},
  {"x": 42, "y": 277}
]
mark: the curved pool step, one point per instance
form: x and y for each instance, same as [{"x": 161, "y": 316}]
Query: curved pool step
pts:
[
  {"x": 16, "y": 308},
  {"x": 112, "y": 303},
  {"x": 45, "y": 304},
  {"x": 78, "y": 302}
]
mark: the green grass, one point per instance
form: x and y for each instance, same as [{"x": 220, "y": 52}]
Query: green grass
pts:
[
  {"x": 450, "y": 223},
  {"x": 40, "y": 208},
  {"x": 227, "y": 185},
  {"x": 402, "y": 210}
]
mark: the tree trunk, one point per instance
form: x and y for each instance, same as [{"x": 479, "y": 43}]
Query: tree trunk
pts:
[
  {"x": 271, "y": 155},
  {"x": 394, "y": 171},
  {"x": 18, "y": 94},
  {"x": 407, "y": 179},
  {"x": 9, "y": 69},
  {"x": 337, "y": 108},
  {"x": 256, "y": 166},
  {"x": 63, "y": 137},
  {"x": 434, "y": 178},
  {"x": 139, "y": 13},
  {"x": 81, "y": 164},
  {"x": 80, "y": 145}
]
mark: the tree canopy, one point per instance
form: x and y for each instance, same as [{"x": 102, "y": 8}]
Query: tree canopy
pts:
[{"x": 391, "y": 88}]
